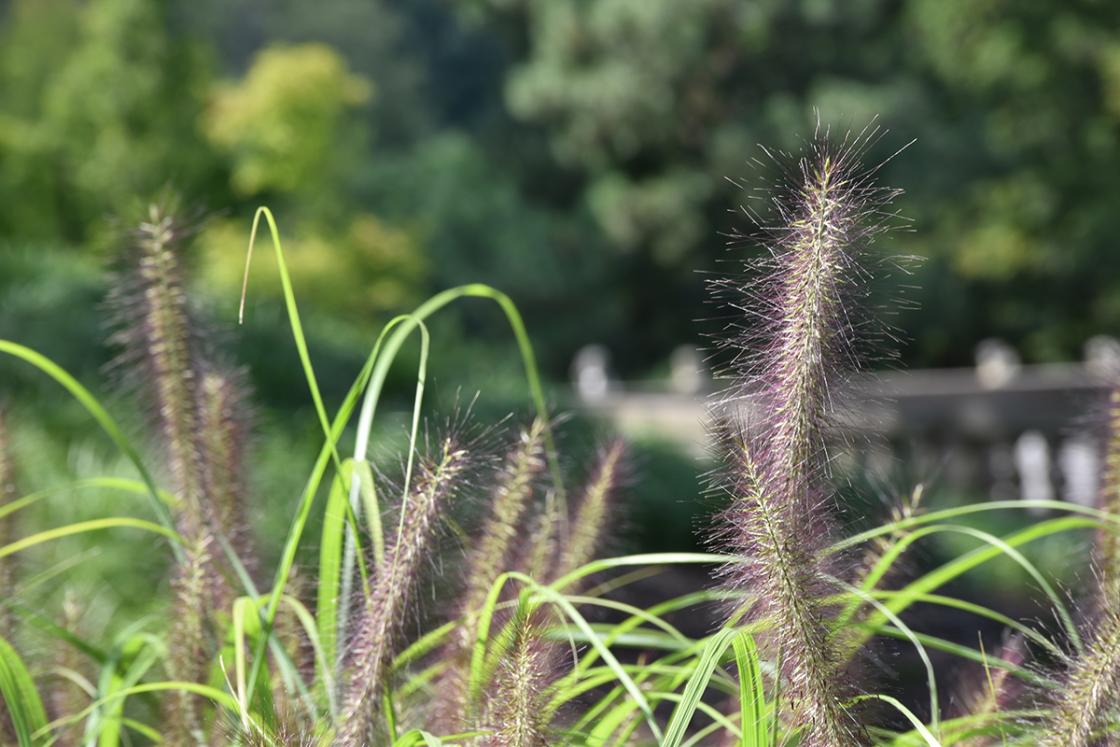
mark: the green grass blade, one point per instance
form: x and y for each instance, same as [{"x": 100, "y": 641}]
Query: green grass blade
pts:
[
  {"x": 93, "y": 525},
  {"x": 25, "y": 708},
  {"x": 103, "y": 419},
  {"x": 330, "y": 562},
  {"x": 752, "y": 698},
  {"x": 697, "y": 684}
]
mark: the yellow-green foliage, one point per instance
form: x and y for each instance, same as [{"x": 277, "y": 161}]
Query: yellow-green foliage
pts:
[
  {"x": 282, "y": 122},
  {"x": 360, "y": 269}
]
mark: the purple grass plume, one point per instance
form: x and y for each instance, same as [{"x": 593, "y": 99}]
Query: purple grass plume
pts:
[
  {"x": 776, "y": 471},
  {"x": 1089, "y": 688},
  {"x": 224, "y": 425},
  {"x": 490, "y": 554},
  {"x": 515, "y": 707},
  {"x": 517, "y": 712},
  {"x": 200, "y": 412},
  {"x": 589, "y": 525},
  {"x": 381, "y": 622},
  {"x": 1106, "y": 556}
]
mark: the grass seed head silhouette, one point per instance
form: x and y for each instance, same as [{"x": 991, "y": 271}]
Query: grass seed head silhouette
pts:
[
  {"x": 492, "y": 552},
  {"x": 200, "y": 412},
  {"x": 380, "y": 623},
  {"x": 775, "y": 468},
  {"x": 1106, "y": 556},
  {"x": 1088, "y": 686}
]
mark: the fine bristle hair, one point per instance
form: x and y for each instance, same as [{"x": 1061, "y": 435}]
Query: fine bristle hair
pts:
[
  {"x": 1088, "y": 689},
  {"x": 380, "y": 622},
  {"x": 516, "y": 709},
  {"x": 775, "y": 467},
  {"x": 1107, "y": 543},
  {"x": 490, "y": 554},
  {"x": 160, "y": 348},
  {"x": 190, "y": 641},
  {"x": 588, "y": 527},
  {"x": 224, "y": 433}
]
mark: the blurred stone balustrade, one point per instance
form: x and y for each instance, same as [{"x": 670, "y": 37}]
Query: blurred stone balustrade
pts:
[{"x": 1002, "y": 428}]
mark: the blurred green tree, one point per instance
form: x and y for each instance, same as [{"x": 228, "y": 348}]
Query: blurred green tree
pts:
[{"x": 98, "y": 112}]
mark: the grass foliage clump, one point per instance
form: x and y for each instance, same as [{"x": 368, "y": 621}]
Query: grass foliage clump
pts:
[{"x": 521, "y": 634}]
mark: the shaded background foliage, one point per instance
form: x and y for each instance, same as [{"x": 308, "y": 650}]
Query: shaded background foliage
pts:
[
  {"x": 575, "y": 153},
  {"x": 571, "y": 152}
]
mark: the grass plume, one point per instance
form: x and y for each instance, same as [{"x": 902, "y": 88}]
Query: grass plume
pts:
[
  {"x": 223, "y": 435},
  {"x": 1089, "y": 688},
  {"x": 588, "y": 527},
  {"x": 380, "y": 624},
  {"x": 1107, "y": 544},
  {"x": 519, "y": 698},
  {"x": 492, "y": 552},
  {"x": 775, "y": 474},
  {"x": 196, "y": 413},
  {"x": 515, "y": 706}
]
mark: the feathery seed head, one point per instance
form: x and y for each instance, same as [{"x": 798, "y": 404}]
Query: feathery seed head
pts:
[
  {"x": 588, "y": 527},
  {"x": 160, "y": 347},
  {"x": 380, "y": 623},
  {"x": 190, "y": 639},
  {"x": 223, "y": 436},
  {"x": 1079, "y": 706},
  {"x": 517, "y": 706},
  {"x": 511, "y": 499},
  {"x": 1107, "y": 544},
  {"x": 491, "y": 553},
  {"x": 773, "y": 473}
]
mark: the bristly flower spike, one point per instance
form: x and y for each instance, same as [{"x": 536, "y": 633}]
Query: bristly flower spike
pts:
[
  {"x": 160, "y": 343},
  {"x": 224, "y": 433},
  {"x": 1090, "y": 684},
  {"x": 516, "y": 706},
  {"x": 589, "y": 524},
  {"x": 513, "y": 495},
  {"x": 517, "y": 713},
  {"x": 774, "y": 474},
  {"x": 1088, "y": 689},
  {"x": 491, "y": 553},
  {"x": 1107, "y": 544},
  {"x": 387, "y": 608}
]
